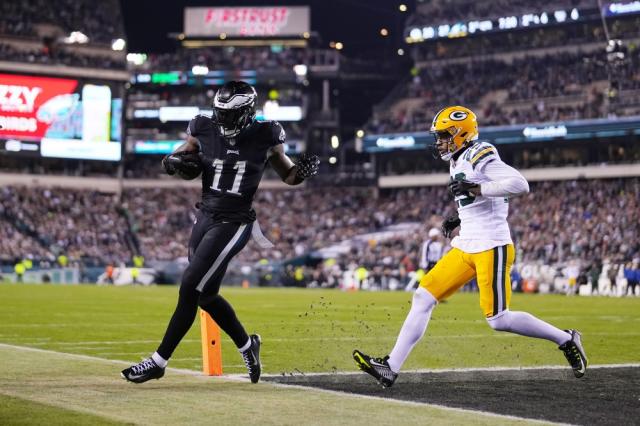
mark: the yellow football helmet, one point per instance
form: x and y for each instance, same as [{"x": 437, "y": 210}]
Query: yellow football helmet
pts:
[{"x": 454, "y": 128}]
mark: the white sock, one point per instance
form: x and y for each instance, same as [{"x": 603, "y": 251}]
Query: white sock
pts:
[
  {"x": 526, "y": 324},
  {"x": 160, "y": 362},
  {"x": 413, "y": 328},
  {"x": 246, "y": 346}
]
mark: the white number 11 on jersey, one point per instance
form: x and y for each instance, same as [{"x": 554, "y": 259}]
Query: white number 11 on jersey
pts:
[{"x": 239, "y": 167}]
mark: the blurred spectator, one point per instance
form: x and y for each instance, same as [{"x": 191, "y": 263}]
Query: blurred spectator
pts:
[
  {"x": 58, "y": 56},
  {"x": 276, "y": 58},
  {"x": 100, "y": 21},
  {"x": 82, "y": 224},
  {"x": 553, "y": 224},
  {"x": 632, "y": 274}
]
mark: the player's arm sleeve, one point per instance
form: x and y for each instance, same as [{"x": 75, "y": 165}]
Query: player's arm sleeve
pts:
[
  {"x": 277, "y": 139},
  {"x": 278, "y": 134},
  {"x": 194, "y": 129},
  {"x": 504, "y": 180},
  {"x": 282, "y": 164}
]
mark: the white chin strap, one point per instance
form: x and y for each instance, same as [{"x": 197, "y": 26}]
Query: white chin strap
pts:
[{"x": 449, "y": 155}]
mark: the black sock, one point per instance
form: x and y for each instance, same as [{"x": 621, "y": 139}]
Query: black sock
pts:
[
  {"x": 224, "y": 315},
  {"x": 180, "y": 323}
]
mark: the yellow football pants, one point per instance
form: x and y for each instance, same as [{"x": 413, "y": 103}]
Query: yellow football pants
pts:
[{"x": 492, "y": 269}]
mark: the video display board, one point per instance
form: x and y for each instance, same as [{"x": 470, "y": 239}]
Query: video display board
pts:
[{"x": 60, "y": 117}]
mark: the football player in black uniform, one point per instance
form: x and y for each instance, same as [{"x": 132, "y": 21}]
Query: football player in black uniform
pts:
[{"x": 231, "y": 151}]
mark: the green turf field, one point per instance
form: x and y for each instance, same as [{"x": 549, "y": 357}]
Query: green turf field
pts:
[{"x": 302, "y": 331}]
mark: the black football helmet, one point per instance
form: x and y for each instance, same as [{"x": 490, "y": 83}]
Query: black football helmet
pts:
[{"x": 234, "y": 107}]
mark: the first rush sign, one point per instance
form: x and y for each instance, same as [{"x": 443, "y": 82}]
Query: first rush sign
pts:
[
  {"x": 246, "y": 21},
  {"x": 26, "y": 104}
]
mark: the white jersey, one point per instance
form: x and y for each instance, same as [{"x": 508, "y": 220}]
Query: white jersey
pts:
[{"x": 483, "y": 218}]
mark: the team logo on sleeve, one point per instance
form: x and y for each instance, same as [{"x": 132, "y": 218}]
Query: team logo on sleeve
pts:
[{"x": 458, "y": 115}]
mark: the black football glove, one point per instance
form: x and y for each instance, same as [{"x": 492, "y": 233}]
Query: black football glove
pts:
[
  {"x": 450, "y": 224},
  {"x": 307, "y": 166},
  {"x": 461, "y": 187},
  {"x": 185, "y": 164}
]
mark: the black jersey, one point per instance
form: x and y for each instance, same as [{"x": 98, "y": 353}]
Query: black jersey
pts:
[{"x": 232, "y": 168}]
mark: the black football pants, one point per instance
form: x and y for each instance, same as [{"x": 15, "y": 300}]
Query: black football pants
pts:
[{"x": 211, "y": 247}]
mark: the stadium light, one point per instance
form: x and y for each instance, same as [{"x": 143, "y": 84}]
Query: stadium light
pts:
[
  {"x": 384, "y": 32},
  {"x": 300, "y": 70},
  {"x": 335, "y": 142},
  {"x": 306, "y": 35},
  {"x": 76, "y": 37},
  {"x": 360, "y": 133},
  {"x": 137, "y": 58},
  {"x": 200, "y": 70},
  {"x": 402, "y": 8},
  {"x": 400, "y": 52},
  {"x": 333, "y": 160},
  {"x": 339, "y": 45},
  {"x": 118, "y": 44}
]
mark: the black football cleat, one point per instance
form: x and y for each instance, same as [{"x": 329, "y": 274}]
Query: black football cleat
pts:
[
  {"x": 145, "y": 370},
  {"x": 574, "y": 352},
  {"x": 376, "y": 367},
  {"x": 252, "y": 358}
]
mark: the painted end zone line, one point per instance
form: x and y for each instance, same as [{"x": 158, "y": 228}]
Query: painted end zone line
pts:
[
  {"x": 119, "y": 362},
  {"x": 239, "y": 378},
  {"x": 460, "y": 370}
]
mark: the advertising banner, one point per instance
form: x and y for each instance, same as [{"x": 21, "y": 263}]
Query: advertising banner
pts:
[
  {"x": 73, "y": 118},
  {"x": 29, "y": 105},
  {"x": 273, "y": 21}
]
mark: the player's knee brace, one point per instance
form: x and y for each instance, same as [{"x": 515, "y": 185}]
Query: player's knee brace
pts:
[{"x": 500, "y": 322}]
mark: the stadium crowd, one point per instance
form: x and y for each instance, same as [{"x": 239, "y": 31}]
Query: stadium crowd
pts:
[
  {"x": 100, "y": 21},
  {"x": 533, "y": 78},
  {"x": 592, "y": 221},
  {"x": 227, "y": 58},
  {"x": 85, "y": 225},
  {"x": 57, "y": 56}
]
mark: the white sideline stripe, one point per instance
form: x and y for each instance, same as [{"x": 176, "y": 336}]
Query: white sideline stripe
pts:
[
  {"x": 463, "y": 370},
  {"x": 280, "y": 385},
  {"x": 112, "y": 361}
]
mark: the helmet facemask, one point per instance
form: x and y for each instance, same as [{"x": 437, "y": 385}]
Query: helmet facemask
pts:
[
  {"x": 232, "y": 121},
  {"x": 444, "y": 144}
]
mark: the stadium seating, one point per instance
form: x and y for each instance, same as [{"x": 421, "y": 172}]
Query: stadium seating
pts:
[
  {"x": 100, "y": 21},
  {"x": 227, "y": 58},
  {"x": 84, "y": 225},
  {"x": 443, "y": 11},
  {"x": 529, "y": 90},
  {"x": 590, "y": 220}
]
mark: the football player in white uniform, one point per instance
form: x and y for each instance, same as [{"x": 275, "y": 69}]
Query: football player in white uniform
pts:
[{"x": 481, "y": 185}]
